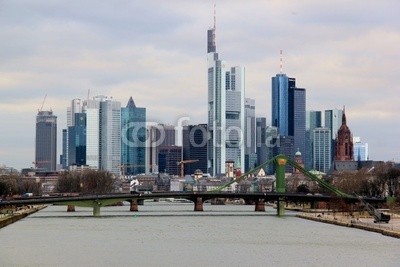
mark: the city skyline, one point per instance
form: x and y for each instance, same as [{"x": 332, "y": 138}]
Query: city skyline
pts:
[{"x": 155, "y": 51}]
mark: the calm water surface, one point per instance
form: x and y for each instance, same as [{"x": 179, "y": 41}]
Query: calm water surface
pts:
[{"x": 165, "y": 234}]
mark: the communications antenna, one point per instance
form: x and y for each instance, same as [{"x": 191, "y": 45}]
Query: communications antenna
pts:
[
  {"x": 281, "y": 62},
  {"x": 215, "y": 16}
]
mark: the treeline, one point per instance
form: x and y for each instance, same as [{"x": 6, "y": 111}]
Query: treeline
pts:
[
  {"x": 381, "y": 181},
  {"x": 86, "y": 183}
]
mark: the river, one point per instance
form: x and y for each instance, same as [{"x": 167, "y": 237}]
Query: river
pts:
[{"x": 165, "y": 234}]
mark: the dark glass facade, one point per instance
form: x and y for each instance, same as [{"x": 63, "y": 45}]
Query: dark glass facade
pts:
[
  {"x": 77, "y": 141},
  {"x": 289, "y": 110},
  {"x": 46, "y": 141},
  {"x": 195, "y": 147},
  {"x": 133, "y": 139}
]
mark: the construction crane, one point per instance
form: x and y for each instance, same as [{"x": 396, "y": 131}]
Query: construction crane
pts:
[
  {"x": 122, "y": 167},
  {"x": 182, "y": 164},
  {"x": 41, "y": 106}
]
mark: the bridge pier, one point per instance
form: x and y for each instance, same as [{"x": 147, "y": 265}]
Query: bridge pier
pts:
[
  {"x": 198, "y": 204},
  {"x": 96, "y": 209},
  {"x": 134, "y": 205},
  {"x": 70, "y": 208},
  {"x": 280, "y": 183},
  {"x": 260, "y": 205},
  {"x": 280, "y": 207}
]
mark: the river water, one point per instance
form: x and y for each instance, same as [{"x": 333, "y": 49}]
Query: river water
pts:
[{"x": 165, "y": 234}]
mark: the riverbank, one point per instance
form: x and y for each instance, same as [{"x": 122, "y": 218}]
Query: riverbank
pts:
[
  {"x": 10, "y": 216},
  {"x": 359, "y": 220}
]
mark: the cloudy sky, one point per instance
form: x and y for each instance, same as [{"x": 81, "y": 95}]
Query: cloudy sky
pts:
[{"x": 342, "y": 52}]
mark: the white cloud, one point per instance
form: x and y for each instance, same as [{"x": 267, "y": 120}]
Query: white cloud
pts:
[{"x": 343, "y": 53}]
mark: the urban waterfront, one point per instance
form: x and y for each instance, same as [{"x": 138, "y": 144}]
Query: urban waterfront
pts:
[{"x": 171, "y": 234}]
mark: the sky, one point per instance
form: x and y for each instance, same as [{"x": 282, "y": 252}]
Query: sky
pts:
[{"x": 345, "y": 53}]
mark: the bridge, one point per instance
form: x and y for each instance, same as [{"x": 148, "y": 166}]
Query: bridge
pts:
[
  {"x": 198, "y": 198},
  {"x": 259, "y": 199}
]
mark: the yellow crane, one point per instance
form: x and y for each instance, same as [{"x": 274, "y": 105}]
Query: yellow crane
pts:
[{"x": 182, "y": 164}]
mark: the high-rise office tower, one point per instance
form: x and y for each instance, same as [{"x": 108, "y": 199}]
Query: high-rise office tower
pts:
[
  {"x": 76, "y": 107},
  {"x": 133, "y": 139},
  {"x": 194, "y": 145},
  {"x": 91, "y": 108},
  {"x": 225, "y": 111},
  {"x": 160, "y": 135},
  {"x": 360, "y": 149},
  {"x": 313, "y": 120},
  {"x": 46, "y": 141},
  {"x": 333, "y": 120},
  {"x": 250, "y": 134},
  {"x": 322, "y": 149},
  {"x": 64, "y": 155},
  {"x": 110, "y": 135},
  {"x": 168, "y": 156},
  {"x": 289, "y": 110},
  {"x": 77, "y": 140},
  {"x": 267, "y": 142}
]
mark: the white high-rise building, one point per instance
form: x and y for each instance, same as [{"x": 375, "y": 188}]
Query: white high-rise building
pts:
[
  {"x": 92, "y": 109},
  {"x": 225, "y": 111},
  {"x": 322, "y": 149},
  {"x": 110, "y": 135}
]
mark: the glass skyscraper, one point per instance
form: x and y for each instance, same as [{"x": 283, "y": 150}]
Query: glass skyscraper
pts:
[
  {"x": 289, "y": 111},
  {"x": 77, "y": 141},
  {"x": 313, "y": 120},
  {"x": 46, "y": 141},
  {"x": 333, "y": 121},
  {"x": 250, "y": 134},
  {"x": 225, "y": 111},
  {"x": 133, "y": 139}
]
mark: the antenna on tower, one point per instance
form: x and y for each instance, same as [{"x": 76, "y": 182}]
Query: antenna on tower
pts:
[
  {"x": 281, "y": 62},
  {"x": 215, "y": 16}
]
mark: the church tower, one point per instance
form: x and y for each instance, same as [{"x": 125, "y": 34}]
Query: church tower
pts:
[{"x": 344, "y": 142}]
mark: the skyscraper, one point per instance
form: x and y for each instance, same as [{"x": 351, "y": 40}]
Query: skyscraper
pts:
[
  {"x": 46, "y": 141},
  {"x": 110, "y": 135},
  {"x": 313, "y": 120},
  {"x": 133, "y": 139},
  {"x": 250, "y": 134},
  {"x": 360, "y": 149},
  {"x": 160, "y": 135},
  {"x": 322, "y": 149},
  {"x": 91, "y": 108},
  {"x": 225, "y": 111},
  {"x": 194, "y": 145},
  {"x": 289, "y": 110},
  {"x": 77, "y": 141},
  {"x": 333, "y": 120}
]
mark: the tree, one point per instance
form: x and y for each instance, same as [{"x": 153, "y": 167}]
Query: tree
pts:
[
  {"x": 86, "y": 182},
  {"x": 303, "y": 188}
]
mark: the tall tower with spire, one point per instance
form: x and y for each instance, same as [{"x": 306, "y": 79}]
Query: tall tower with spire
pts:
[
  {"x": 133, "y": 139},
  {"x": 225, "y": 110},
  {"x": 344, "y": 141}
]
